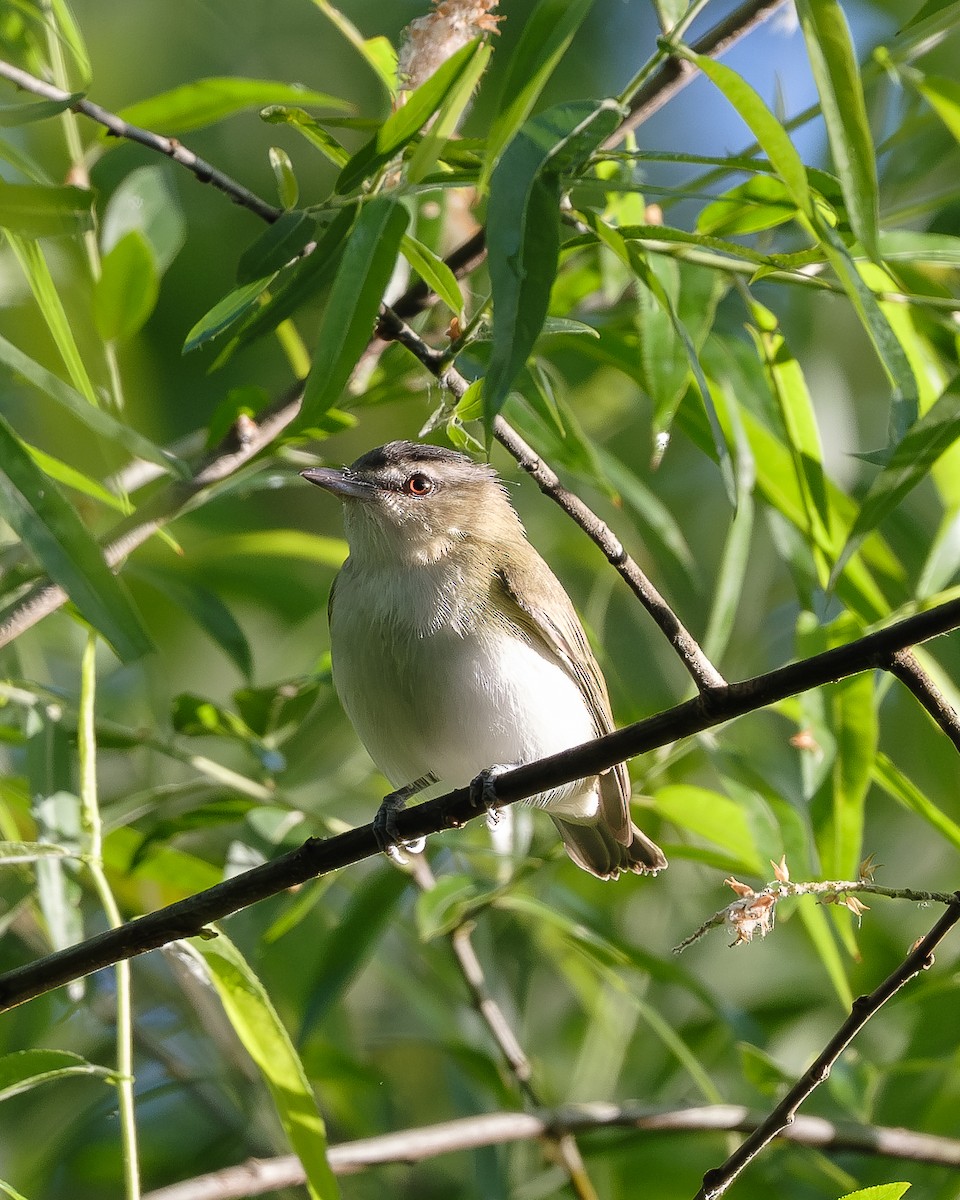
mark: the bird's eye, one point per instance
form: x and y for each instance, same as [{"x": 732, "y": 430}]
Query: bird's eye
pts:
[{"x": 418, "y": 485}]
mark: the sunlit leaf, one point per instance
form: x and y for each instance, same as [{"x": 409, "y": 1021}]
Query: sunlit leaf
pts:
[
  {"x": 206, "y": 101},
  {"x": 265, "y": 1039},
  {"x": 48, "y": 525},
  {"x": 146, "y": 201},
  {"x": 125, "y": 294},
  {"x": 433, "y": 271},
  {"x": 348, "y": 319}
]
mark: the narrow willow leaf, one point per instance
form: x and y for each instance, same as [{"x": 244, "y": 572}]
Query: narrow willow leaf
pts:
[
  {"x": 762, "y": 202},
  {"x": 206, "y": 101},
  {"x": 34, "y": 266},
  {"x": 936, "y": 431},
  {"x": 302, "y": 281},
  {"x": 70, "y": 477},
  {"x": 351, "y": 943},
  {"x": 523, "y": 230},
  {"x": 814, "y": 919},
  {"x": 206, "y": 609},
  {"x": 424, "y": 158},
  {"x": 883, "y": 1191},
  {"x": 893, "y": 359},
  {"x": 433, "y": 271},
  {"x": 404, "y": 125},
  {"x": 146, "y": 201},
  {"x": 101, "y": 422},
  {"x": 126, "y": 293},
  {"x": 310, "y": 128},
  {"x": 887, "y": 775},
  {"x": 376, "y": 52},
  {"x": 348, "y": 319},
  {"x": 265, "y": 1039},
  {"x": 789, "y": 388},
  {"x": 288, "y": 190},
  {"x": 837, "y": 76},
  {"x": 943, "y": 96},
  {"x": 274, "y": 543},
  {"x": 547, "y": 33},
  {"x": 70, "y": 36},
  {"x": 226, "y": 312},
  {"x": 769, "y": 132},
  {"x": 38, "y": 513},
  {"x": 280, "y": 243},
  {"x": 38, "y": 110},
  {"x": 26, "y": 1069}
]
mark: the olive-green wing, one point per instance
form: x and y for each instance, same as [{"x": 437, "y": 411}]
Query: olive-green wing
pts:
[{"x": 551, "y": 622}]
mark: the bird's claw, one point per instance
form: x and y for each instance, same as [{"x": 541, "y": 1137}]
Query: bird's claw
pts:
[
  {"x": 483, "y": 792},
  {"x": 385, "y": 821}
]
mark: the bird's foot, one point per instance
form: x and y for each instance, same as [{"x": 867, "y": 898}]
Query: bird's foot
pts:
[
  {"x": 483, "y": 792},
  {"x": 385, "y": 821}
]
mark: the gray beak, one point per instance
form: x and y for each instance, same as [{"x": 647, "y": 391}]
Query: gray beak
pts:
[{"x": 341, "y": 483}]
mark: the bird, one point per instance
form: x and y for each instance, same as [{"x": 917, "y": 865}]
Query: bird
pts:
[{"x": 456, "y": 651}]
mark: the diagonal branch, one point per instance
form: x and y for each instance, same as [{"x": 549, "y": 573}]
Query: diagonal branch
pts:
[
  {"x": 189, "y": 917},
  {"x": 717, "y": 1181}
]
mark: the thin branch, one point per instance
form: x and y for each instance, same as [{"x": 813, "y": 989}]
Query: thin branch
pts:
[
  {"x": 717, "y": 1181},
  {"x": 189, "y": 917},
  {"x": 563, "y": 1142},
  {"x": 904, "y": 665},
  {"x": 258, "y": 1176},
  {"x": 170, "y": 147}
]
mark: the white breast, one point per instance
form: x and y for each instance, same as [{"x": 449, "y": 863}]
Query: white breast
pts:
[{"x": 443, "y": 697}]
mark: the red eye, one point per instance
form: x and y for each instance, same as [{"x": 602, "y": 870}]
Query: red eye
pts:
[{"x": 418, "y": 485}]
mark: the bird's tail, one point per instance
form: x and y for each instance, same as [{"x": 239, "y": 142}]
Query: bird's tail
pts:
[{"x": 595, "y": 848}]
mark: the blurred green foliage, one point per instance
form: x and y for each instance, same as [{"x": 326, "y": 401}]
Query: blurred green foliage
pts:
[{"x": 733, "y": 332}]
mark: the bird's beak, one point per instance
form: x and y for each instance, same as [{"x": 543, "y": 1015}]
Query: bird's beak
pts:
[{"x": 341, "y": 483}]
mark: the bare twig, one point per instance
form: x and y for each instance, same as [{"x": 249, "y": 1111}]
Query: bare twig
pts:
[
  {"x": 189, "y": 917},
  {"x": 258, "y": 1176},
  {"x": 752, "y": 914},
  {"x": 170, "y": 147},
  {"x": 563, "y": 1142},
  {"x": 717, "y": 1181},
  {"x": 904, "y": 665}
]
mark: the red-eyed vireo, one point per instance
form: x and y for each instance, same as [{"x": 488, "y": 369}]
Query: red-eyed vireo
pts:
[{"x": 456, "y": 649}]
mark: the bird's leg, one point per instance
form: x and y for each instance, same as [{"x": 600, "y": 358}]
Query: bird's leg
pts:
[{"x": 385, "y": 821}]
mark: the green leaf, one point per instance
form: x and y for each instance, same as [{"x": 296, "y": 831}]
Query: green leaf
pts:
[
  {"x": 433, "y": 271},
  {"x": 424, "y": 158},
  {"x": 207, "y": 101},
  {"x": 376, "y": 52},
  {"x": 713, "y": 816},
  {"x": 276, "y": 246},
  {"x": 101, "y": 422},
  {"x": 226, "y": 312},
  {"x": 48, "y": 525},
  {"x": 288, "y": 190},
  {"x": 146, "y": 201},
  {"x": 523, "y": 230},
  {"x": 761, "y": 202},
  {"x": 126, "y": 293},
  {"x": 70, "y": 477},
  {"x": 274, "y": 543},
  {"x": 26, "y": 1069},
  {"x": 813, "y": 917},
  {"x": 310, "y": 128},
  {"x": 893, "y": 781},
  {"x": 893, "y": 358},
  {"x": 351, "y": 311},
  {"x": 38, "y": 110},
  {"x": 943, "y": 96},
  {"x": 936, "y": 431},
  {"x": 546, "y": 34},
  {"x": 789, "y": 389},
  {"x": 884, "y": 1191},
  {"x": 34, "y": 266},
  {"x": 773, "y": 138},
  {"x": 402, "y": 126},
  {"x": 261, "y": 1031},
  {"x": 207, "y": 610},
  {"x": 69, "y": 35},
  {"x": 443, "y": 907},
  {"x": 837, "y": 76}
]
